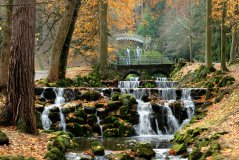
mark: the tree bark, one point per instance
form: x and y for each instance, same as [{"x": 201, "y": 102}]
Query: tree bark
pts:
[
  {"x": 208, "y": 55},
  {"x": 20, "y": 100},
  {"x": 103, "y": 59},
  {"x": 66, "y": 46},
  {"x": 223, "y": 38},
  {"x": 54, "y": 72},
  {"x": 233, "y": 51},
  {"x": 6, "y": 47}
]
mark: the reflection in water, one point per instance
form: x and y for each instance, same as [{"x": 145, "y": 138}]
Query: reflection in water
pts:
[{"x": 117, "y": 144}]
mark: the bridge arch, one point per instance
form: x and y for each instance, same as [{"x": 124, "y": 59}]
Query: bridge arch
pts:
[
  {"x": 131, "y": 72},
  {"x": 159, "y": 73}
]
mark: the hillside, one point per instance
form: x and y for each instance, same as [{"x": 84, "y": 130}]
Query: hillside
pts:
[{"x": 219, "y": 121}]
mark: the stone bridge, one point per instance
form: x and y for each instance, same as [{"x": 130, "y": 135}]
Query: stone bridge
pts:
[
  {"x": 144, "y": 71},
  {"x": 130, "y": 37}
]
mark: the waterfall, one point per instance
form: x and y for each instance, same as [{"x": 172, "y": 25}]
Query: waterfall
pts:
[
  {"x": 188, "y": 104},
  {"x": 98, "y": 122},
  {"x": 59, "y": 101},
  {"x": 163, "y": 82},
  {"x": 172, "y": 122},
  {"x": 167, "y": 93},
  {"x": 144, "y": 127},
  {"x": 157, "y": 126},
  {"x": 132, "y": 83},
  {"x": 46, "y": 122}
]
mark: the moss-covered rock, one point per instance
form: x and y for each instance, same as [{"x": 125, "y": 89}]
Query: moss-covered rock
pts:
[
  {"x": 123, "y": 110},
  {"x": 113, "y": 105},
  {"x": 91, "y": 119},
  {"x": 115, "y": 97},
  {"x": 126, "y": 130},
  {"x": 80, "y": 113},
  {"x": 3, "y": 138},
  {"x": 114, "y": 132},
  {"x": 89, "y": 109},
  {"x": 179, "y": 148},
  {"x": 15, "y": 158},
  {"x": 144, "y": 150},
  {"x": 91, "y": 95},
  {"x": 119, "y": 156},
  {"x": 55, "y": 154},
  {"x": 196, "y": 154},
  {"x": 97, "y": 149},
  {"x": 77, "y": 120}
]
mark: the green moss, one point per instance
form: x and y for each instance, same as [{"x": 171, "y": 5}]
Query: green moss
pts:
[
  {"x": 113, "y": 105},
  {"x": 115, "y": 97},
  {"x": 144, "y": 150},
  {"x": 196, "y": 154},
  {"x": 114, "y": 132},
  {"x": 119, "y": 156},
  {"x": 179, "y": 148},
  {"x": 80, "y": 113},
  {"x": 97, "y": 149},
  {"x": 123, "y": 110}
]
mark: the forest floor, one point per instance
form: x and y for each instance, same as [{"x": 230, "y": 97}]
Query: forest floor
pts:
[{"x": 223, "y": 116}]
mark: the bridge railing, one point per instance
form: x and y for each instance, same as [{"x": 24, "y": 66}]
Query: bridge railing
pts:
[{"x": 134, "y": 60}]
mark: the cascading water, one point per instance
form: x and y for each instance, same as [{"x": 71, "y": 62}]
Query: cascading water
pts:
[
  {"x": 162, "y": 82},
  {"x": 144, "y": 127},
  {"x": 98, "y": 122},
  {"x": 59, "y": 101},
  {"x": 188, "y": 104},
  {"x": 172, "y": 122},
  {"x": 132, "y": 83}
]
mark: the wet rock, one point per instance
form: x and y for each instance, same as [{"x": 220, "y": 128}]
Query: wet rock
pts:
[
  {"x": 179, "y": 148},
  {"x": 91, "y": 119},
  {"x": 97, "y": 149},
  {"x": 114, "y": 132},
  {"x": 49, "y": 94},
  {"x": 124, "y": 110},
  {"x": 113, "y": 105},
  {"x": 39, "y": 107},
  {"x": 145, "y": 98},
  {"x": 3, "y": 138},
  {"x": 144, "y": 150},
  {"x": 102, "y": 112},
  {"x": 91, "y": 95},
  {"x": 115, "y": 97},
  {"x": 76, "y": 129},
  {"x": 38, "y": 91},
  {"x": 107, "y": 92},
  {"x": 77, "y": 120},
  {"x": 119, "y": 156},
  {"x": 89, "y": 109},
  {"x": 77, "y": 94},
  {"x": 80, "y": 113},
  {"x": 69, "y": 94}
]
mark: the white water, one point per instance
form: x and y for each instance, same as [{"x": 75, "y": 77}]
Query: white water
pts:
[
  {"x": 188, "y": 104},
  {"x": 59, "y": 101},
  {"x": 98, "y": 122},
  {"x": 162, "y": 82},
  {"x": 167, "y": 93},
  {"x": 144, "y": 127},
  {"x": 157, "y": 126},
  {"x": 171, "y": 120},
  {"x": 132, "y": 83}
]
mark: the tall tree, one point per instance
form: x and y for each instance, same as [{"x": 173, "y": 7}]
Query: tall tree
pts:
[
  {"x": 103, "y": 6},
  {"x": 208, "y": 51},
  {"x": 54, "y": 72},
  {"x": 223, "y": 37},
  {"x": 234, "y": 46},
  {"x": 20, "y": 107},
  {"x": 66, "y": 46},
  {"x": 6, "y": 47}
]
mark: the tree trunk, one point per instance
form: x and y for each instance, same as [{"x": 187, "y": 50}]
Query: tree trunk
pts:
[
  {"x": 233, "y": 51},
  {"x": 103, "y": 59},
  {"x": 66, "y": 46},
  {"x": 6, "y": 47},
  {"x": 208, "y": 55},
  {"x": 223, "y": 38},
  {"x": 60, "y": 38},
  {"x": 20, "y": 100}
]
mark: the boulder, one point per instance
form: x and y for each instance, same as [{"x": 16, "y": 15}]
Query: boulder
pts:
[
  {"x": 89, "y": 109},
  {"x": 144, "y": 150},
  {"x": 123, "y": 110},
  {"x": 115, "y": 97},
  {"x": 91, "y": 95},
  {"x": 80, "y": 113},
  {"x": 113, "y": 105},
  {"x": 119, "y": 156},
  {"x": 3, "y": 138},
  {"x": 97, "y": 149},
  {"x": 114, "y": 132},
  {"x": 49, "y": 94}
]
